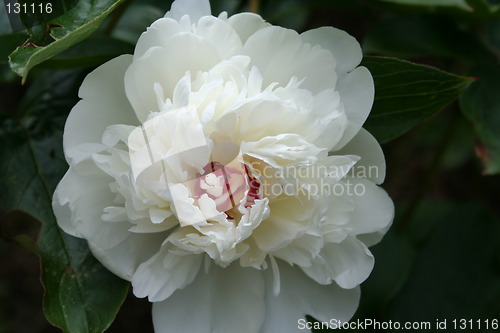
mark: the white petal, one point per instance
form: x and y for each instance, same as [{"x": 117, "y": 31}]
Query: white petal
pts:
[
  {"x": 282, "y": 149},
  {"x": 332, "y": 120},
  {"x": 347, "y": 263},
  {"x": 246, "y": 24},
  {"x": 195, "y": 9},
  {"x": 300, "y": 296},
  {"x": 221, "y": 35},
  {"x": 79, "y": 201},
  {"x": 356, "y": 93},
  {"x": 344, "y": 47},
  {"x": 301, "y": 251},
  {"x": 290, "y": 217},
  {"x": 124, "y": 258},
  {"x": 280, "y": 54},
  {"x": 164, "y": 273},
  {"x": 158, "y": 34},
  {"x": 260, "y": 117},
  {"x": 373, "y": 210},
  {"x": 372, "y": 157},
  {"x": 166, "y": 66},
  {"x": 224, "y": 300},
  {"x": 103, "y": 103}
]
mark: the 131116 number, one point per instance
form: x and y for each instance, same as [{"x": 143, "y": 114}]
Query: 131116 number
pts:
[{"x": 17, "y": 8}]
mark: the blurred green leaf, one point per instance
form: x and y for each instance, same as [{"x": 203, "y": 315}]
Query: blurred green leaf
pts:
[
  {"x": 424, "y": 36},
  {"x": 135, "y": 20},
  {"x": 8, "y": 43},
  {"x": 446, "y": 3},
  {"x": 493, "y": 35},
  {"x": 72, "y": 27},
  {"x": 480, "y": 103},
  {"x": 292, "y": 14},
  {"x": 394, "y": 257},
  {"x": 456, "y": 273},
  {"x": 484, "y": 7},
  {"x": 80, "y": 294},
  {"x": 229, "y": 6},
  {"x": 407, "y": 94}
]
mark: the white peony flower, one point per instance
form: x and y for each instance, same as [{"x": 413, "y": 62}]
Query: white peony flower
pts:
[{"x": 223, "y": 170}]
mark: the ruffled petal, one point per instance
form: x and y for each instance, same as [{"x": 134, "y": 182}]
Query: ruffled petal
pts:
[
  {"x": 103, "y": 103},
  {"x": 347, "y": 263},
  {"x": 281, "y": 150},
  {"x": 280, "y": 55},
  {"x": 246, "y": 24},
  {"x": 158, "y": 34},
  {"x": 224, "y": 300},
  {"x": 164, "y": 273},
  {"x": 221, "y": 35},
  {"x": 356, "y": 93},
  {"x": 373, "y": 209},
  {"x": 79, "y": 201},
  {"x": 290, "y": 217},
  {"x": 124, "y": 258},
  {"x": 372, "y": 162},
  {"x": 344, "y": 47},
  {"x": 300, "y": 296},
  {"x": 151, "y": 79},
  {"x": 195, "y": 9}
]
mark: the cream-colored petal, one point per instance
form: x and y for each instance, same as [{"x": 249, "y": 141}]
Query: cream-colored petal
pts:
[
  {"x": 300, "y": 296},
  {"x": 280, "y": 54},
  {"x": 372, "y": 162},
  {"x": 164, "y": 67},
  {"x": 224, "y": 300},
  {"x": 246, "y": 24},
  {"x": 344, "y": 47},
  {"x": 160, "y": 33},
  {"x": 347, "y": 263},
  {"x": 103, "y": 103},
  {"x": 164, "y": 273},
  {"x": 373, "y": 209},
  {"x": 221, "y": 35},
  {"x": 195, "y": 9},
  {"x": 79, "y": 201},
  {"x": 290, "y": 217},
  {"x": 124, "y": 258},
  {"x": 356, "y": 93}
]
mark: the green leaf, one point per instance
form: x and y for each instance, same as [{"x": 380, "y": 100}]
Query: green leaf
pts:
[
  {"x": 444, "y": 3},
  {"x": 72, "y": 27},
  {"x": 8, "y": 42},
  {"x": 407, "y": 94},
  {"x": 80, "y": 294},
  {"x": 424, "y": 36},
  {"x": 481, "y": 105}
]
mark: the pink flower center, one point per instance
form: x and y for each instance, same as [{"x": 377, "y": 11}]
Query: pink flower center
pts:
[{"x": 228, "y": 186}]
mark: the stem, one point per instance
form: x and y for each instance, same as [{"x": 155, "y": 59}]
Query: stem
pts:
[
  {"x": 424, "y": 185},
  {"x": 254, "y": 6}
]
